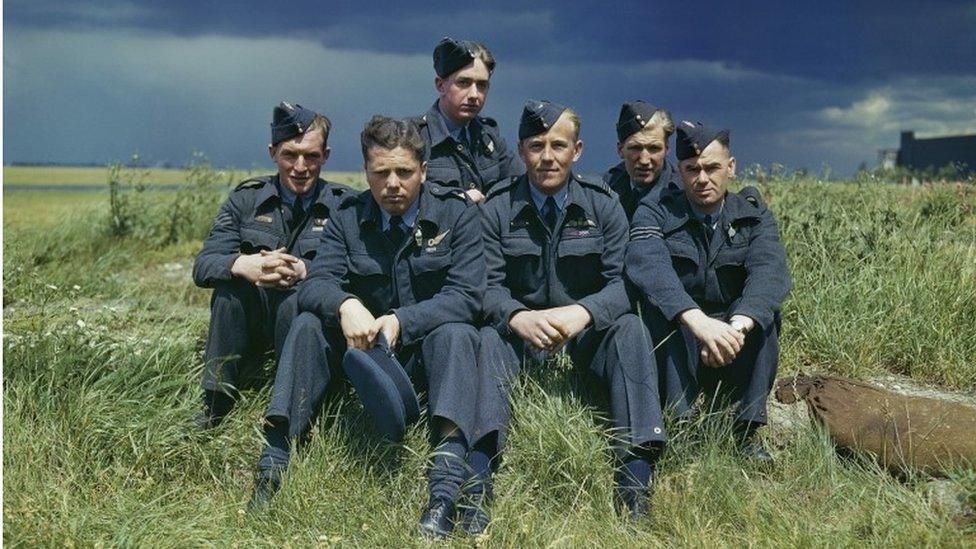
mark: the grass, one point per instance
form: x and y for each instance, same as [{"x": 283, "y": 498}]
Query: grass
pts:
[
  {"x": 102, "y": 355},
  {"x": 87, "y": 176}
]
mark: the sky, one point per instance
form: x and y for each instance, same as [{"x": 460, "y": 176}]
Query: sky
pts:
[{"x": 820, "y": 86}]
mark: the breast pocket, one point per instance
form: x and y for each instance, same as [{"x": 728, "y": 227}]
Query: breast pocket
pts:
[
  {"x": 523, "y": 265},
  {"x": 428, "y": 272},
  {"x": 685, "y": 259},
  {"x": 730, "y": 270},
  {"x": 368, "y": 280},
  {"x": 255, "y": 240},
  {"x": 579, "y": 265},
  {"x": 306, "y": 247}
]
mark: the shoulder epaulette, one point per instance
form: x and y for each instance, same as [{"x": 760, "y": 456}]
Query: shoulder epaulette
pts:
[
  {"x": 753, "y": 196},
  {"x": 598, "y": 185},
  {"x": 440, "y": 190},
  {"x": 254, "y": 182},
  {"x": 501, "y": 186},
  {"x": 351, "y": 199},
  {"x": 419, "y": 121},
  {"x": 488, "y": 121}
]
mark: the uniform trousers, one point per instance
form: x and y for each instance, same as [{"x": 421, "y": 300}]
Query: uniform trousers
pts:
[
  {"x": 246, "y": 322},
  {"x": 744, "y": 384},
  {"x": 620, "y": 356},
  {"x": 311, "y": 358}
]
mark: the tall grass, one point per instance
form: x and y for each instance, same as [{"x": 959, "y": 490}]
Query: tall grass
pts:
[{"x": 102, "y": 356}]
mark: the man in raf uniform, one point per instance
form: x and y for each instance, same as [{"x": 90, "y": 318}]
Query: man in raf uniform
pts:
[
  {"x": 259, "y": 249},
  {"x": 711, "y": 265},
  {"x": 643, "y": 131},
  {"x": 465, "y": 149},
  {"x": 403, "y": 263},
  {"x": 554, "y": 248}
]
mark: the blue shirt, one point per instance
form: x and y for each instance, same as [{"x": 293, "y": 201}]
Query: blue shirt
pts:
[
  {"x": 288, "y": 197},
  {"x": 408, "y": 217},
  {"x": 701, "y": 217},
  {"x": 539, "y": 197},
  {"x": 452, "y": 128}
]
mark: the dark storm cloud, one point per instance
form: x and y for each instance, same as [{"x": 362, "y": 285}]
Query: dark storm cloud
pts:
[
  {"x": 831, "y": 39},
  {"x": 800, "y": 86}
]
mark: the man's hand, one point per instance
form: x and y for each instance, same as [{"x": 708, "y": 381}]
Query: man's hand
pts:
[
  {"x": 356, "y": 322},
  {"x": 475, "y": 195},
  {"x": 539, "y": 329},
  {"x": 389, "y": 326},
  {"x": 274, "y": 269},
  {"x": 570, "y": 320},
  {"x": 720, "y": 341}
]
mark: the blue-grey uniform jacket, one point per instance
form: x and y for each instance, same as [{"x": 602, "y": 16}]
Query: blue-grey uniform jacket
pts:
[
  {"x": 450, "y": 164},
  {"x": 252, "y": 219},
  {"x": 437, "y": 275},
  {"x": 619, "y": 181},
  {"x": 742, "y": 271},
  {"x": 582, "y": 262}
]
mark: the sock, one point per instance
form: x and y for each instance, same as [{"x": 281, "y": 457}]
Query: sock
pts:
[
  {"x": 483, "y": 459},
  {"x": 218, "y": 403},
  {"x": 277, "y": 450},
  {"x": 448, "y": 469}
]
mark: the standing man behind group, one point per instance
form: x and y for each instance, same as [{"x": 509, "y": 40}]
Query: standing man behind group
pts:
[
  {"x": 464, "y": 148},
  {"x": 259, "y": 248},
  {"x": 711, "y": 265},
  {"x": 643, "y": 131}
]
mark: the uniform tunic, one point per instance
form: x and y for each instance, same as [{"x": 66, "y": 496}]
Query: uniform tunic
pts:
[
  {"x": 485, "y": 160},
  {"x": 741, "y": 269},
  {"x": 434, "y": 282},
  {"x": 246, "y": 320},
  {"x": 580, "y": 262}
]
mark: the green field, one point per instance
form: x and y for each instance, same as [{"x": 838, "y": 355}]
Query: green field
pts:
[{"x": 103, "y": 337}]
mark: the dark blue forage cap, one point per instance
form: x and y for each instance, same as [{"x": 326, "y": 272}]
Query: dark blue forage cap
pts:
[
  {"x": 383, "y": 387},
  {"x": 289, "y": 120},
  {"x": 633, "y": 117},
  {"x": 452, "y": 55},
  {"x": 692, "y": 138},
  {"x": 538, "y": 117}
]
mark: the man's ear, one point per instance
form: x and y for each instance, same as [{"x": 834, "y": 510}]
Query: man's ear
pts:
[
  {"x": 326, "y": 153},
  {"x": 620, "y": 149},
  {"x": 731, "y": 167},
  {"x": 272, "y": 150},
  {"x": 577, "y": 150},
  {"x": 423, "y": 171},
  {"x": 440, "y": 84}
]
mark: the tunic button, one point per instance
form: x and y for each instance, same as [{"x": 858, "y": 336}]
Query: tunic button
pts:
[
  {"x": 471, "y": 184},
  {"x": 460, "y": 147}
]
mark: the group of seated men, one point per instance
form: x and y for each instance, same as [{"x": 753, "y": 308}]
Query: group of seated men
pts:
[{"x": 464, "y": 261}]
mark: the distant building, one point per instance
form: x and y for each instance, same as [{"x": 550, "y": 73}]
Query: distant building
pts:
[{"x": 932, "y": 153}]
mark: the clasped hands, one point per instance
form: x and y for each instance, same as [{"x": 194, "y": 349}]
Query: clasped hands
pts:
[
  {"x": 720, "y": 341},
  {"x": 270, "y": 269},
  {"x": 550, "y": 329}
]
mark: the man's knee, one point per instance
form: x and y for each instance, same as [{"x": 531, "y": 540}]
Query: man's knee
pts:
[{"x": 452, "y": 334}]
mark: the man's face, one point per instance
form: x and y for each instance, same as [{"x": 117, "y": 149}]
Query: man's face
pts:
[
  {"x": 394, "y": 177},
  {"x": 707, "y": 176},
  {"x": 643, "y": 154},
  {"x": 549, "y": 156},
  {"x": 300, "y": 160},
  {"x": 463, "y": 94}
]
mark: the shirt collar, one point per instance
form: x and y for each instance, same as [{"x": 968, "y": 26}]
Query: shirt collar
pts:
[
  {"x": 453, "y": 129},
  {"x": 409, "y": 217},
  {"x": 539, "y": 197},
  {"x": 288, "y": 197},
  {"x": 701, "y": 217}
]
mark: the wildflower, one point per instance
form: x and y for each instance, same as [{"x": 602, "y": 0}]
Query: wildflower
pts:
[
  {"x": 51, "y": 286},
  {"x": 80, "y": 323}
]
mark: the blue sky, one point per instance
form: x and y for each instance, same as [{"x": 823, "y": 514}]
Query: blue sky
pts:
[{"x": 825, "y": 83}]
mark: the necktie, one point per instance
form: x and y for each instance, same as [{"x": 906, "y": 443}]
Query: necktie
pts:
[
  {"x": 297, "y": 214},
  {"x": 465, "y": 141},
  {"x": 396, "y": 233},
  {"x": 630, "y": 200},
  {"x": 709, "y": 222},
  {"x": 550, "y": 212}
]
